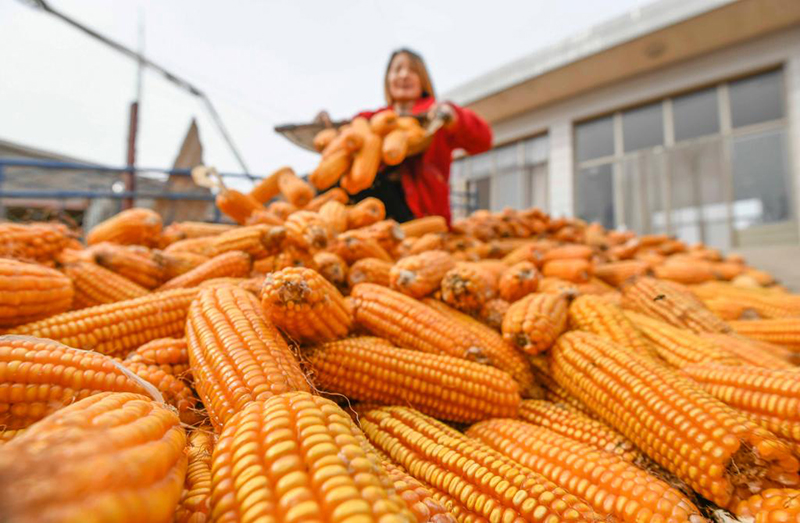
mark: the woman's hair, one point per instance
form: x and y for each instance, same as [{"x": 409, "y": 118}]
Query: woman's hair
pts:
[{"x": 418, "y": 64}]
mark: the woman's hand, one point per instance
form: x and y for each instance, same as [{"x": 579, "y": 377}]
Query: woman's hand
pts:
[{"x": 444, "y": 110}]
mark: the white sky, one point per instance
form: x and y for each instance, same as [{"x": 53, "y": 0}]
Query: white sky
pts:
[{"x": 263, "y": 63}]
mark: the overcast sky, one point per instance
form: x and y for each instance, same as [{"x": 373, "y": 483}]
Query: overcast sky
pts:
[{"x": 263, "y": 63}]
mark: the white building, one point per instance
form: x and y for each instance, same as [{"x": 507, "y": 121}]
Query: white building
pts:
[{"x": 681, "y": 117}]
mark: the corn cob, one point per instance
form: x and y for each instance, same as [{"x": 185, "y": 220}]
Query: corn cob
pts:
[
  {"x": 370, "y": 270},
  {"x": 296, "y": 191},
  {"x": 671, "y": 303},
  {"x": 422, "y": 226},
  {"x": 117, "y": 328},
  {"x": 290, "y": 256},
  {"x": 237, "y": 205},
  {"x": 553, "y": 392},
  {"x": 307, "y": 230},
  {"x": 263, "y": 217},
  {"x": 236, "y": 355},
  {"x": 147, "y": 269},
  {"x": 333, "y": 195},
  {"x": 387, "y": 233},
  {"x": 130, "y": 227},
  {"x": 281, "y": 209},
  {"x": 29, "y": 292},
  {"x": 568, "y": 252},
  {"x": 418, "y": 498},
  {"x": 95, "y": 285},
  {"x": 609, "y": 484},
  {"x": 408, "y": 323},
  {"x": 729, "y": 310},
  {"x": 779, "y": 331},
  {"x": 719, "y": 453},
  {"x": 472, "y": 391},
  {"x": 177, "y": 263},
  {"x": 421, "y": 274},
  {"x": 534, "y": 322},
  {"x": 763, "y": 304},
  {"x": 259, "y": 241},
  {"x": 334, "y": 215},
  {"x": 231, "y": 264},
  {"x": 174, "y": 391},
  {"x": 306, "y": 306},
  {"x": 169, "y": 354},
  {"x": 494, "y": 350},
  {"x": 619, "y": 272},
  {"x": 333, "y": 268},
  {"x": 596, "y": 315},
  {"x": 771, "y": 506},
  {"x": 518, "y": 281},
  {"x": 353, "y": 247},
  {"x": 467, "y": 288},
  {"x": 576, "y": 270},
  {"x": 429, "y": 242},
  {"x": 9, "y": 434},
  {"x": 493, "y": 312},
  {"x": 572, "y": 423},
  {"x": 33, "y": 242},
  {"x": 366, "y": 212},
  {"x": 383, "y": 122},
  {"x": 111, "y": 457},
  {"x": 484, "y": 484},
  {"x": 181, "y": 230},
  {"x": 752, "y": 352},
  {"x": 296, "y": 457},
  {"x": 533, "y": 252},
  {"x": 40, "y": 376},
  {"x": 195, "y": 503},
  {"x": 685, "y": 271},
  {"x": 199, "y": 246},
  {"x": 267, "y": 188}
]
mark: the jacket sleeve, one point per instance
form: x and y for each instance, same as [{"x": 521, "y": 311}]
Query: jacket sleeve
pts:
[{"x": 471, "y": 133}]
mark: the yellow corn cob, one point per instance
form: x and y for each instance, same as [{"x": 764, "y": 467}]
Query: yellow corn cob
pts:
[
  {"x": 131, "y": 227},
  {"x": 353, "y": 247},
  {"x": 117, "y": 328},
  {"x": 95, "y": 285},
  {"x": 333, "y": 268},
  {"x": 779, "y": 331},
  {"x": 259, "y": 241},
  {"x": 169, "y": 354},
  {"x": 307, "y": 230},
  {"x": 387, "y": 233},
  {"x": 609, "y": 484},
  {"x": 29, "y": 292},
  {"x": 408, "y": 323},
  {"x": 34, "y": 242},
  {"x": 672, "y": 303},
  {"x": 723, "y": 456},
  {"x": 572, "y": 423},
  {"x": 422, "y": 226},
  {"x": 236, "y": 355},
  {"x": 334, "y": 215},
  {"x": 195, "y": 503},
  {"x": 752, "y": 352},
  {"x": 729, "y": 310},
  {"x": 181, "y": 230},
  {"x": 518, "y": 281},
  {"x": 297, "y": 457},
  {"x": 370, "y": 270},
  {"x": 495, "y": 351},
  {"x": 232, "y": 264},
  {"x": 296, "y": 191},
  {"x": 110, "y": 457},
  {"x": 421, "y": 274},
  {"x": 597, "y": 315},
  {"x": 145, "y": 268},
  {"x": 305, "y": 305},
  {"x": 619, "y": 272},
  {"x": 366, "y": 212},
  {"x": 553, "y": 392},
  {"x": 493, "y": 312},
  {"x": 39, "y": 376},
  {"x": 763, "y": 303},
  {"x": 267, "y": 188},
  {"x": 237, "y": 205},
  {"x": 290, "y": 256},
  {"x": 336, "y": 194},
  {"x": 465, "y": 391},
  {"x": 484, "y": 484},
  {"x": 177, "y": 263},
  {"x": 467, "y": 288},
  {"x": 771, "y": 506},
  {"x": 252, "y": 285},
  {"x": 532, "y": 251},
  {"x": 201, "y": 246},
  {"x": 418, "y": 498},
  {"x": 534, "y": 322},
  {"x": 174, "y": 391}
]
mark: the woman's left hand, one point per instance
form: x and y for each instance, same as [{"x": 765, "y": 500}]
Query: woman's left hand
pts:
[{"x": 444, "y": 109}]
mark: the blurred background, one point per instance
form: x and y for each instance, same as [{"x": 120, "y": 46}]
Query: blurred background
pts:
[{"x": 675, "y": 116}]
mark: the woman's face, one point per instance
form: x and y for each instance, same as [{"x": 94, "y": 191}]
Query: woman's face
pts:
[{"x": 404, "y": 82}]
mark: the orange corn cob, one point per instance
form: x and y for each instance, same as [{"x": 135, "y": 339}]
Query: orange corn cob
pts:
[
  {"x": 771, "y": 506},
  {"x": 752, "y": 352},
  {"x": 387, "y": 233},
  {"x": 473, "y": 391},
  {"x": 333, "y": 195},
  {"x": 493, "y": 312},
  {"x": 296, "y": 191},
  {"x": 236, "y": 355},
  {"x": 353, "y": 247},
  {"x": 672, "y": 303},
  {"x": 568, "y": 252},
  {"x": 297, "y": 457},
  {"x": 131, "y": 227},
  {"x": 484, "y": 484},
  {"x": 111, "y": 457},
  {"x": 763, "y": 304},
  {"x": 263, "y": 217},
  {"x": 534, "y": 322},
  {"x": 572, "y": 423},
  {"x": 467, "y": 288},
  {"x": 727, "y": 270},
  {"x": 619, "y": 272},
  {"x": 334, "y": 215},
  {"x": 117, "y": 328},
  {"x": 594, "y": 475},
  {"x": 422, "y": 226},
  {"x": 290, "y": 256},
  {"x": 147, "y": 269},
  {"x": 533, "y": 251},
  {"x": 421, "y": 274},
  {"x": 729, "y": 310},
  {"x": 370, "y": 270},
  {"x": 8, "y": 435},
  {"x": 366, "y": 212},
  {"x": 686, "y": 271},
  {"x": 408, "y": 323},
  {"x": 596, "y": 315},
  {"x": 429, "y": 242},
  {"x": 494, "y": 350},
  {"x": 267, "y": 188},
  {"x": 33, "y": 242},
  {"x": 198, "y": 246},
  {"x": 676, "y": 423},
  {"x": 181, "y": 230},
  {"x": 169, "y": 354},
  {"x": 177, "y": 263},
  {"x": 553, "y": 392},
  {"x": 778, "y": 331},
  {"x": 95, "y": 285},
  {"x": 29, "y": 292},
  {"x": 281, "y": 209},
  {"x": 195, "y": 503},
  {"x": 40, "y": 376},
  {"x": 231, "y": 264},
  {"x": 306, "y": 306},
  {"x": 333, "y": 268},
  {"x": 237, "y": 205},
  {"x": 173, "y": 390},
  {"x": 418, "y": 498},
  {"x": 518, "y": 281},
  {"x": 307, "y": 230},
  {"x": 576, "y": 270},
  {"x": 259, "y": 241}
]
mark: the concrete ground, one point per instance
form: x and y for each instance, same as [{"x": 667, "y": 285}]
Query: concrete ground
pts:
[{"x": 783, "y": 262}]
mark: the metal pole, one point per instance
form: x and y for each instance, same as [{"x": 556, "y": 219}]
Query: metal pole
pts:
[{"x": 130, "y": 176}]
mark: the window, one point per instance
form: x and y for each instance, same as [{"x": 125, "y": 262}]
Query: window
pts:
[
  {"x": 643, "y": 127},
  {"x": 595, "y": 139},
  {"x": 696, "y": 114},
  {"x": 757, "y": 99},
  {"x": 595, "y": 195},
  {"x": 537, "y": 187},
  {"x": 481, "y": 188}
]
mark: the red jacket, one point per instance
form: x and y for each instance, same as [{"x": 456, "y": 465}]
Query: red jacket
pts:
[{"x": 427, "y": 181}]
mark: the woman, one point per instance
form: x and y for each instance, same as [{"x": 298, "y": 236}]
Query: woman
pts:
[{"x": 420, "y": 185}]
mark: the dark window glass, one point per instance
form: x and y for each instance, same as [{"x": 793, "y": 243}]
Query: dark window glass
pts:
[
  {"x": 643, "y": 127},
  {"x": 595, "y": 194},
  {"x": 760, "y": 179},
  {"x": 480, "y": 188},
  {"x": 757, "y": 99},
  {"x": 594, "y": 139},
  {"x": 696, "y": 114}
]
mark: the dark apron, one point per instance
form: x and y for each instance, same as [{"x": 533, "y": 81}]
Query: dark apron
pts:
[{"x": 388, "y": 188}]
